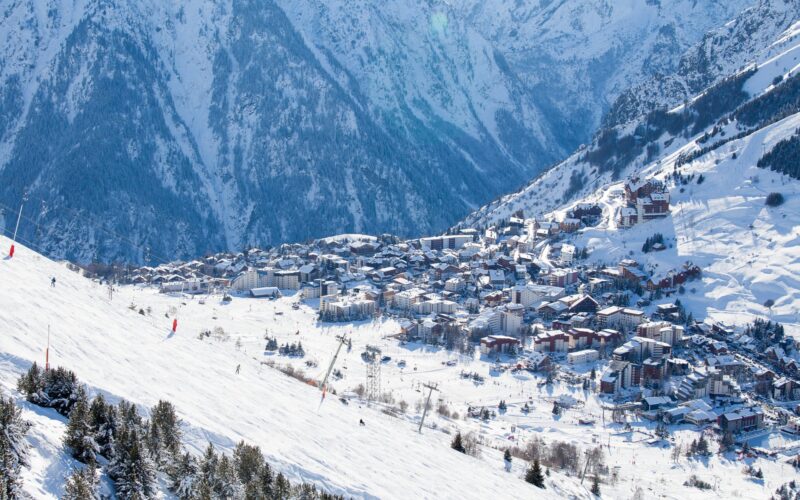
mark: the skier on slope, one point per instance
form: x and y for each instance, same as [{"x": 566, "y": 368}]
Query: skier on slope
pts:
[
  {"x": 238, "y": 367},
  {"x": 53, "y": 282},
  {"x": 361, "y": 422}
]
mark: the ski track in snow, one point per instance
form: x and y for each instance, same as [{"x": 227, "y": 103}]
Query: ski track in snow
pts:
[{"x": 123, "y": 354}]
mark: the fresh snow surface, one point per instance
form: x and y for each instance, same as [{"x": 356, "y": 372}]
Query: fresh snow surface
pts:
[
  {"x": 749, "y": 253},
  {"x": 124, "y": 354}
]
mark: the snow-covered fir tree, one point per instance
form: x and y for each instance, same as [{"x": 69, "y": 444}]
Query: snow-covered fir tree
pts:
[
  {"x": 534, "y": 474},
  {"x": 131, "y": 469},
  {"x": 183, "y": 477},
  {"x": 13, "y": 448},
  {"x": 79, "y": 437},
  {"x": 164, "y": 434},
  {"x": 103, "y": 422},
  {"x": 82, "y": 484}
]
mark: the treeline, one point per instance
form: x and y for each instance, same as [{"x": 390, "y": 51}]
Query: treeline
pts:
[
  {"x": 652, "y": 240},
  {"x": 782, "y": 101},
  {"x": 613, "y": 152},
  {"x": 13, "y": 448},
  {"x": 783, "y": 157},
  {"x": 765, "y": 332},
  {"x": 138, "y": 451}
]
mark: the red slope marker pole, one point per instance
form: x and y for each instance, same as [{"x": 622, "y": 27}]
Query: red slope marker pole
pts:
[
  {"x": 174, "y": 325},
  {"x": 16, "y": 228}
]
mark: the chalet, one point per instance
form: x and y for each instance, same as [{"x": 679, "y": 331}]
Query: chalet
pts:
[
  {"x": 570, "y": 225},
  {"x": 636, "y": 188},
  {"x": 538, "y": 362},
  {"x": 786, "y": 389},
  {"x": 586, "y": 212},
  {"x": 742, "y": 420},
  {"x": 551, "y": 341},
  {"x": 268, "y": 291},
  {"x": 581, "y": 338},
  {"x": 551, "y": 310},
  {"x": 655, "y": 403},
  {"x": 585, "y": 304},
  {"x": 646, "y": 200},
  {"x": 498, "y": 344},
  {"x": 762, "y": 379}
]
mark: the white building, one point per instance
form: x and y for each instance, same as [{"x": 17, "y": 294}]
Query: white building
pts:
[
  {"x": 287, "y": 280},
  {"x": 406, "y": 299},
  {"x": 455, "y": 284},
  {"x": 567, "y": 254},
  {"x": 584, "y": 356},
  {"x": 453, "y": 242},
  {"x": 532, "y": 295}
]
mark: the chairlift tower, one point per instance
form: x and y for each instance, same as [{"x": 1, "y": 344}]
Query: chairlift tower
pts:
[{"x": 373, "y": 380}]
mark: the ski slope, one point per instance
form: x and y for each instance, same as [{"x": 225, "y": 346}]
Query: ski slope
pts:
[{"x": 125, "y": 355}]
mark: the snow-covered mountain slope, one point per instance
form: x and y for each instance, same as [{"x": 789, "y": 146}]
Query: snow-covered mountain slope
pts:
[
  {"x": 49, "y": 464},
  {"x": 621, "y": 150},
  {"x": 755, "y": 34},
  {"x": 749, "y": 252},
  {"x": 124, "y": 354},
  {"x": 579, "y": 56},
  {"x": 203, "y": 125}
]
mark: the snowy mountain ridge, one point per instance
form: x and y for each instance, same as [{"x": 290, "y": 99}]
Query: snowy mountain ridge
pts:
[
  {"x": 719, "y": 220},
  {"x": 620, "y": 150},
  {"x": 221, "y": 123}
]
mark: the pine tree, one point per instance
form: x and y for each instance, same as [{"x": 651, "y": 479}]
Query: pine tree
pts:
[
  {"x": 13, "y": 448},
  {"x": 457, "y": 444},
  {"x": 266, "y": 481},
  {"x": 183, "y": 477},
  {"x": 166, "y": 433},
  {"x": 702, "y": 446},
  {"x": 78, "y": 437},
  {"x": 103, "y": 422},
  {"x": 132, "y": 471},
  {"x": 248, "y": 462},
  {"x": 82, "y": 484},
  {"x": 282, "y": 488},
  {"x": 60, "y": 390},
  {"x": 227, "y": 485},
  {"x": 207, "y": 476},
  {"x": 534, "y": 475},
  {"x": 596, "y": 486},
  {"x": 726, "y": 441},
  {"x": 31, "y": 384}
]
